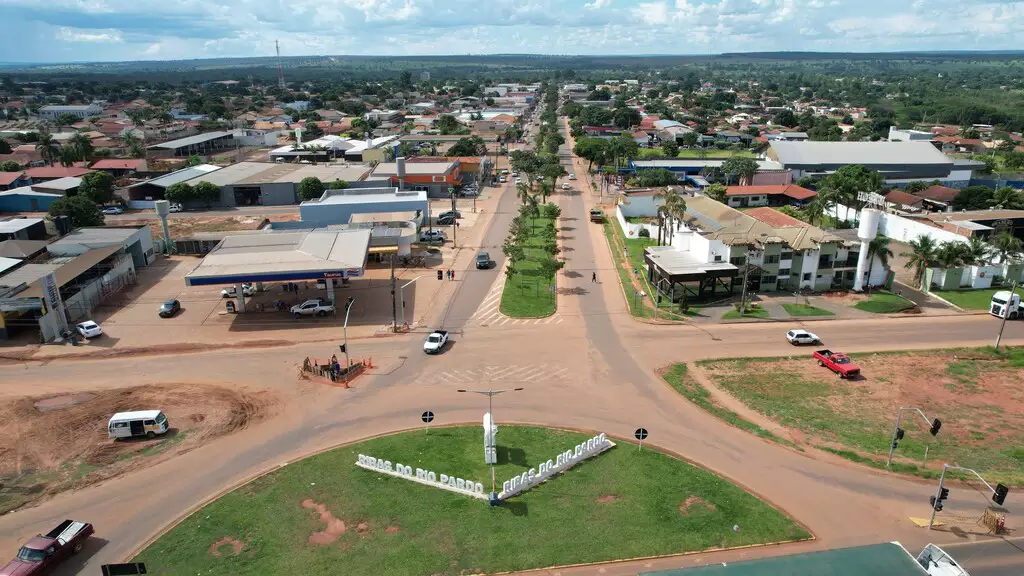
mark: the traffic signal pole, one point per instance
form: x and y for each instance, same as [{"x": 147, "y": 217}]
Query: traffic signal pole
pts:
[
  {"x": 936, "y": 503},
  {"x": 1006, "y": 313},
  {"x": 939, "y": 496},
  {"x": 896, "y": 437}
]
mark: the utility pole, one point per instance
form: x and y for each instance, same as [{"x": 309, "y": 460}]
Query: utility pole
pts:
[
  {"x": 1006, "y": 313},
  {"x": 897, "y": 433},
  {"x": 394, "y": 306},
  {"x": 490, "y": 410},
  {"x": 455, "y": 220},
  {"x": 348, "y": 308}
]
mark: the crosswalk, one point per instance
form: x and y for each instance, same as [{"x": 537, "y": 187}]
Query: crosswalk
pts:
[
  {"x": 511, "y": 374},
  {"x": 489, "y": 314}
]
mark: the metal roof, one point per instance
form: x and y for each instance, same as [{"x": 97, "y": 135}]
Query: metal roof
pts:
[
  {"x": 368, "y": 196},
  {"x": 889, "y": 559},
  {"x": 17, "y": 224},
  {"x": 697, "y": 163},
  {"x": 65, "y": 269},
  {"x": 8, "y": 263},
  {"x": 414, "y": 168},
  {"x": 191, "y": 140},
  {"x": 234, "y": 173},
  {"x": 64, "y": 184},
  {"x": 867, "y": 153},
  {"x": 283, "y": 256},
  {"x": 182, "y": 175},
  {"x": 21, "y": 248},
  {"x": 102, "y": 235}
]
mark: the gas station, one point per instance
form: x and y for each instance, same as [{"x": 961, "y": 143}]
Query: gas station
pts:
[{"x": 333, "y": 256}]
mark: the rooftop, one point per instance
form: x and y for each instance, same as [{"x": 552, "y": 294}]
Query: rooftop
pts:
[
  {"x": 65, "y": 269},
  {"x": 676, "y": 262},
  {"x": 8, "y": 178},
  {"x": 368, "y": 196},
  {"x": 732, "y": 227},
  {"x": 118, "y": 164},
  {"x": 993, "y": 214},
  {"x": 8, "y": 263},
  {"x": 53, "y": 172},
  {"x": 697, "y": 164},
  {"x": 938, "y": 193},
  {"x": 21, "y": 248},
  {"x": 415, "y": 168},
  {"x": 774, "y": 218},
  {"x": 282, "y": 255},
  {"x": 178, "y": 176},
  {"x": 868, "y": 153},
  {"x": 62, "y": 184},
  {"x": 902, "y": 198},
  {"x": 790, "y": 190},
  {"x": 16, "y": 224},
  {"x": 103, "y": 235},
  {"x": 191, "y": 140}
]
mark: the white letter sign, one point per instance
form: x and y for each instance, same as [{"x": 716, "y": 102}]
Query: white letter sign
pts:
[
  {"x": 421, "y": 476},
  {"x": 561, "y": 463}
]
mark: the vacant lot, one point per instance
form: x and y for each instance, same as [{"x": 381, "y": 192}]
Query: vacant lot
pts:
[
  {"x": 323, "y": 512},
  {"x": 51, "y": 444},
  {"x": 975, "y": 392},
  {"x": 185, "y": 226}
]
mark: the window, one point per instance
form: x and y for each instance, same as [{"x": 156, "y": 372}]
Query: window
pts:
[
  {"x": 120, "y": 424},
  {"x": 786, "y": 256},
  {"x": 784, "y": 272},
  {"x": 807, "y": 276},
  {"x": 825, "y": 261},
  {"x": 774, "y": 259},
  {"x": 149, "y": 422},
  {"x": 768, "y": 280},
  {"x": 718, "y": 258},
  {"x": 738, "y": 261}
]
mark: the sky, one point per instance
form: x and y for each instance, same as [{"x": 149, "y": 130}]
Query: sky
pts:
[{"x": 119, "y": 30}]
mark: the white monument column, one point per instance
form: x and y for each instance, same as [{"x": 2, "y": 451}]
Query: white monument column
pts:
[
  {"x": 490, "y": 440},
  {"x": 867, "y": 231}
]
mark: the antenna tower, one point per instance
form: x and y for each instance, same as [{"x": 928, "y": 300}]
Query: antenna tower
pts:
[{"x": 280, "y": 70}]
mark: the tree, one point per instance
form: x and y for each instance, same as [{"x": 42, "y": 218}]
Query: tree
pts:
[
  {"x": 48, "y": 148},
  {"x": 312, "y": 130},
  {"x": 129, "y": 139},
  {"x": 469, "y": 146},
  {"x": 67, "y": 155},
  {"x": 525, "y": 162},
  {"x": 193, "y": 160},
  {"x": 65, "y": 120},
  {"x": 1006, "y": 146},
  {"x": 624, "y": 146},
  {"x": 626, "y": 117},
  {"x": 602, "y": 94},
  {"x": 1007, "y": 198},
  {"x": 98, "y": 187},
  {"x": 179, "y": 193},
  {"x": 716, "y": 192},
  {"x": 969, "y": 133},
  {"x": 923, "y": 255},
  {"x": 81, "y": 210},
  {"x": 654, "y": 178},
  {"x": 976, "y": 252},
  {"x": 446, "y": 123},
  {"x": 674, "y": 208},
  {"x": 917, "y": 186},
  {"x": 311, "y": 188},
  {"x": 338, "y": 185},
  {"x": 82, "y": 145},
  {"x": 591, "y": 149},
  {"x": 844, "y": 184},
  {"x": 1007, "y": 246},
  {"x": 816, "y": 209},
  {"x": 879, "y": 246},
  {"x": 5, "y": 148},
  {"x": 973, "y": 198},
  {"x": 669, "y": 148},
  {"x": 10, "y": 166},
  {"x": 742, "y": 168},
  {"x": 136, "y": 151},
  {"x": 786, "y": 118},
  {"x": 206, "y": 192},
  {"x": 690, "y": 139}
]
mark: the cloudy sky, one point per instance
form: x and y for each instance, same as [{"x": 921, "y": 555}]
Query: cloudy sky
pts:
[{"x": 113, "y": 30}]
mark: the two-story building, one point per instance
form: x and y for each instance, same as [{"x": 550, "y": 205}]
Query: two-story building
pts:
[{"x": 435, "y": 178}]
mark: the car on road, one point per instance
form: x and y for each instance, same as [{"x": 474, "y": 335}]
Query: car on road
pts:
[
  {"x": 565, "y": 186},
  {"x": 446, "y": 220},
  {"x": 113, "y": 210},
  {"x": 572, "y": 176},
  {"x": 175, "y": 208},
  {"x": 450, "y": 214},
  {"x": 504, "y": 179},
  {"x": 89, "y": 329},
  {"x": 41, "y": 554},
  {"x": 596, "y": 215},
  {"x": 837, "y": 362},
  {"x": 802, "y": 337},
  {"x": 483, "y": 260},
  {"x": 314, "y": 307},
  {"x": 519, "y": 180},
  {"x": 169, "y": 308},
  {"x": 432, "y": 236},
  {"x": 435, "y": 341},
  {"x": 229, "y": 292}
]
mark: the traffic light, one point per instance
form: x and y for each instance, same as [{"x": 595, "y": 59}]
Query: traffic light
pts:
[
  {"x": 899, "y": 433},
  {"x": 1000, "y": 496},
  {"x": 943, "y": 493},
  {"x": 342, "y": 347},
  {"x": 935, "y": 426},
  {"x": 935, "y": 506},
  {"x": 440, "y": 275}
]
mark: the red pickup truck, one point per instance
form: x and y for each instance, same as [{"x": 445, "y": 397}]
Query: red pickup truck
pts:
[
  {"x": 42, "y": 554},
  {"x": 838, "y": 363}
]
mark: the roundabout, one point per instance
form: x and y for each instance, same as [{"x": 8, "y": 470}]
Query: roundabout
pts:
[{"x": 328, "y": 511}]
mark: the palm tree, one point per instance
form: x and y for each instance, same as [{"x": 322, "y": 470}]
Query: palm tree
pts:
[
  {"x": 129, "y": 139},
  {"x": 664, "y": 216},
  {"x": 879, "y": 246},
  {"x": 976, "y": 252},
  {"x": 523, "y": 191},
  {"x": 68, "y": 155},
  {"x": 48, "y": 148},
  {"x": 921, "y": 257},
  {"x": 1007, "y": 246},
  {"x": 816, "y": 209},
  {"x": 1007, "y": 198},
  {"x": 674, "y": 206},
  {"x": 81, "y": 143}
]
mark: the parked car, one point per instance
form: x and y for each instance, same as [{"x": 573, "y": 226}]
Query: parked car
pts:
[
  {"x": 838, "y": 363},
  {"x": 147, "y": 423},
  {"x": 175, "y": 208},
  {"x": 519, "y": 180},
  {"x": 446, "y": 221},
  {"x": 89, "y": 329},
  {"x": 504, "y": 179},
  {"x": 314, "y": 307},
  {"x": 229, "y": 292},
  {"x": 450, "y": 213},
  {"x": 802, "y": 337},
  {"x": 565, "y": 186},
  {"x": 483, "y": 260},
  {"x": 169, "y": 308},
  {"x": 572, "y": 176},
  {"x": 42, "y": 554},
  {"x": 435, "y": 341},
  {"x": 596, "y": 215},
  {"x": 113, "y": 210},
  {"x": 432, "y": 236}
]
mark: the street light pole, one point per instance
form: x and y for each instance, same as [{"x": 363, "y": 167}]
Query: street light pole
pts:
[
  {"x": 401, "y": 295},
  {"x": 1006, "y": 313},
  {"x": 344, "y": 329},
  {"x": 490, "y": 410}
]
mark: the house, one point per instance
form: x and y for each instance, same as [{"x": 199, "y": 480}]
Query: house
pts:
[
  {"x": 433, "y": 177},
  {"x": 44, "y": 173},
  {"x": 9, "y": 180},
  {"x": 118, "y": 167},
  {"x": 900, "y": 200},
  {"x": 789, "y": 136},
  {"x": 473, "y": 168},
  {"x": 958, "y": 145},
  {"x": 643, "y": 139},
  {"x": 938, "y": 197},
  {"x": 52, "y": 112},
  {"x": 784, "y": 195},
  {"x": 732, "y": 136}
]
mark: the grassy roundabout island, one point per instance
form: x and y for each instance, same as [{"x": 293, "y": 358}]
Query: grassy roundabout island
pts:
[{"x": 324, "y": 513}]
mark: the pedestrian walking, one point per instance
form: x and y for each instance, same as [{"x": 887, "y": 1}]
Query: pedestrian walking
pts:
[
  {"x": 593, "y": 277},
  {"x": 453, "y": 274}
]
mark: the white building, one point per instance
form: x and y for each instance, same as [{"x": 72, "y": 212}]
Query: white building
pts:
[{"x": 51, "y": 112}]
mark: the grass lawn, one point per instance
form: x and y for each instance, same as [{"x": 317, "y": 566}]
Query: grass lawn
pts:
[
  {"x": 805, "y": 310},
  {"x": 969, "y": 389},
  {"x": 621, "y": 504},
  {"x": 528, "y": 292},
  {"x": 751, "y": 313},
  {"x": 678, "y": 376},
  {"x": 970, "y": 299},
  {"x": 884, "y": 303}
]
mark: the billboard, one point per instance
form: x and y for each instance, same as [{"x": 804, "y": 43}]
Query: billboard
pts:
[{"x": 52, "y": 302}]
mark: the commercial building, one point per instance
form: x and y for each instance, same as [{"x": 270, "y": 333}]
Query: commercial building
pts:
[
  {"x": 154, "y": 189},
  {"x": 23, "y": 229},
  {"x": 897, "y": 135},
  {"x": 63, "y": 186},
  {"x": 25, "y": 199},
  {"x": 82, "y": 111},
  {"x": 339, "y": 206},
  {"x": 435, "y": 178},
  {"x": 200, "y": 144},
  {"x": 473, "y": 168},
  {"x": 134, "y": 241},
  {"x": 896, "y": 161}
]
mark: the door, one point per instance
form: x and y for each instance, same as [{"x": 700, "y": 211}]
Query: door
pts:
[{"x": 136, "y": 428}]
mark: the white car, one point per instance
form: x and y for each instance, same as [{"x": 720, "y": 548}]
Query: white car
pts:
[
  {"x": 572, "y": 176},
  {"x": 113, "y": 210},
  {"x": 89, "y": 329},
  {"x": 565, "y": 186},
  {"x": 431, "y": 236},
  {"x": 247, "y": 289},
  {"x": 175, "y": 208},
  {"x": 435, "y": 341},
  {"x": 796, "y": 337}
]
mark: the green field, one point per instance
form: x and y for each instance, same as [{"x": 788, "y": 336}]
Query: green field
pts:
[
  {"x": 529, "y": 293},
  {"x": 970, "y": 299},
  {"x": 621, "y": 504},
  {"x": 805, "y": 310},
  {"x": 968, "y": 389},
  {"x": 884, "y": 303}
]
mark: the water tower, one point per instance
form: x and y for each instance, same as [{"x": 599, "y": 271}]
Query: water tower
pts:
[
  {"x": 163, "y": 208},
  {"x": 869, "y": 219}
]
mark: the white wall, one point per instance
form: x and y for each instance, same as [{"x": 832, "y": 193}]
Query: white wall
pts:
[
  {"x": 899, "y": 228},
  {"x": 633, "y": 230},
  {"x": 640, "y": 206}
]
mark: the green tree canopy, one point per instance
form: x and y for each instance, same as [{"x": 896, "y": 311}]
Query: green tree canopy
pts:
[
  {"x": 740, "y": 168},
  {"x": 206, "y": 192},
  {"x": 469, "y": 146},
  {"x": 669, "y": 148},
  {"x": 5, "y": 148},
  {"x": 447, "y": 124},
  {"x": 81, "y": 210},
  {"x": 626, "y": 117},
  {"x": 10, "y": 166},
  {"x": 973, "y": 198},
  {"x": 193, "y": 160},
  {"x": 311, "y": 188},
  {"x": 592, "y": 149},
  {"x": 652, "y": 178},
  {"x": 179, "y": 193},
  {"x": 338, "y": 185},
  {"x": 98, "y": 187}
]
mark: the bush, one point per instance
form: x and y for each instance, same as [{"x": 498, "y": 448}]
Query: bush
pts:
[{"x": 644, "y": 233}]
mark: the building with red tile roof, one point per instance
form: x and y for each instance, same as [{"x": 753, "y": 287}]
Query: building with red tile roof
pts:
[
  {"x": 774, "y": 218},
  {"x": 45, "y": 173},
  {"x": 938, "y": 196},
  {"x": 901, "y": 200},
  {"x": 768, "y": 195}
]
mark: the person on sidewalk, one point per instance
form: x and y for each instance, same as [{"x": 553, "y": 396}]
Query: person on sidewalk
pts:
[
  {"x": 452, "y": 272},
  {"x": 593, "y": 277}
]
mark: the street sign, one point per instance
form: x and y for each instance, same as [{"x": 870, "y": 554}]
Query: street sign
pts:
[
  {"x": 640, "y": 434},
  {"x": 427, "y": 416}
]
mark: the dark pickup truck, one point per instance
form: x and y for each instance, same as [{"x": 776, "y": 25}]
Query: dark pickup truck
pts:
[{"x": 42, "y": 554}]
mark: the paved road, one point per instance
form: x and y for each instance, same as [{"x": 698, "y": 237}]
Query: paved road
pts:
[{"x": 611, "y": 387}]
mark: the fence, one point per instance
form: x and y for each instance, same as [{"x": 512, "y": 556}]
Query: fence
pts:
[
  {"x": 631, "y": 230},
  {"x": 109, "y": 289}
]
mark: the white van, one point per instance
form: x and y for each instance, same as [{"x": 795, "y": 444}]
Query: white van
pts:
[{"x": 137, "y": 423}]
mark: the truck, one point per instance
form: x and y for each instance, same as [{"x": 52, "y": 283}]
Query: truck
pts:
[
  {"x": 1005, "y": 303},
  {"x": 596, "y": 215},
  {"x": 314, "y": 307},
  {"x": 435, "y": 341},
  {"x": 837, "y": 362},
  {"x": 40, "y": 555}
]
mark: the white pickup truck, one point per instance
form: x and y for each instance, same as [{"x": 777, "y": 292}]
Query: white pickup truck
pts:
[
  {"x": 315, "y": 307},
  {"x": 435, "y": 341}
]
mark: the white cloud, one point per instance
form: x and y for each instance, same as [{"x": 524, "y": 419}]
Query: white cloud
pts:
[
  {"x": 102, "y": 36},
  {"x": 153, "y": 49},
  {"x": 597, "y": 4},
  {"x": 652, "y": 13}
]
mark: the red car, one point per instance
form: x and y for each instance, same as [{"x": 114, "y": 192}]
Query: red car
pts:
[
  {"x": 838, "y": 363},
  {"x": 42, "y": 554}
]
